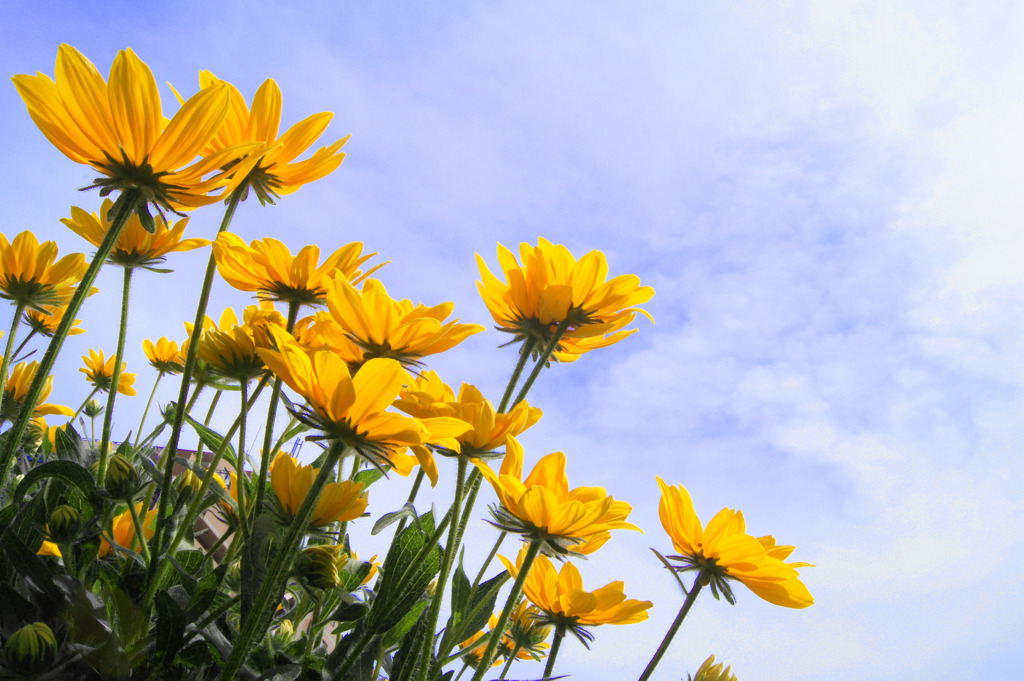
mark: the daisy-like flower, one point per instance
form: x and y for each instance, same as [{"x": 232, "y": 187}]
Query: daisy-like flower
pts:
[
  {"x": 543, "y": 509},
  {"x": 709, "y": 671},
  {"x": 564, "y": 602},
  {"x": 277, "y": 171},
  {"x": 346, "y": 407},
  {"x": 46, "y": 320},
  {"x": 474, "y": 656},
  {"x": 373, "y": 324},
  {"x": 29, "y": 277},
  {"x": 429, "y": 397},
  {"x": 16, "y": 389},
  {"x": 100, "y": 371},
  {"x": 164, "y": 355},
  {"x": 229, "y": 348},
  {"x": 340, "y": 501},
  {"x": 118, "y": 128},
  {"x": 136, "y": 246},
  {"x": 552, "y": 289},
  {"x": 723, "y": 551},
  {"x": 269, "y": 268}
]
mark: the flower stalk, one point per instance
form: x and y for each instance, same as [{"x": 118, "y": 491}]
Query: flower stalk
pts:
[
  {"x": 691, "y": 597},
  {"x": 115, "y": 377}
]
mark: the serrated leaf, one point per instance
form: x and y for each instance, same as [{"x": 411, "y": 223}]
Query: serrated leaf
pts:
[
  {"x": 369, "y": 476},
  {"x": 69, "y": 471},
  {"x": 395, "y": 634},
  {"x": 211, "y": 438}
]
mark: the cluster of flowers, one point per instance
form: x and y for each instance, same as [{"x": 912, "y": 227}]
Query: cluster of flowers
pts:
[{"x": 355, "y": 356}]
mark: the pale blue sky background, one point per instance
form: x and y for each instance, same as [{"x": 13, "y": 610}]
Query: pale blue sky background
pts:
[{"x": 825, "y": 196}]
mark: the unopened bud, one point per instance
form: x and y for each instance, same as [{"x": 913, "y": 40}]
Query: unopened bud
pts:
[
  {"x": 318, "y": 566},
  {"x": 188, "y": 483},
  {"x": 285, "y": 633},
  {"x": 31, "y": 649},
  {"x": 65, "y": 521},
  {"x": 92, "y": 408},
  {"x": 122, "y": 478}
]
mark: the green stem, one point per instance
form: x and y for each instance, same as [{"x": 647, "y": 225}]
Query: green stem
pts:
[
  {"x": 126, "y": 204},
  {"x": 243, "y": 520},
  {"x": 267, "y": 454},
  {"x": 263, "y": 606},
  {"x": 186, "y": 376},
  {"x": 84, "y": 402},
  {"x": 490, "y": 557},
  {"x": 498, "y": 629},
  {"x": 217, "y": 611},
  {"x": 353, "y": 655},
  {"x": 508, "y": 662},
  {"x": 19, "y": 308},
  {"x": 412, "y": 497},
  {"x": 442, "y": 579},
  {"x": 140, "y": 533},
  {"x": 542, "y": 360},
  {"x": 465, "y": 666},
  {"x": 556, "y": 643},
  {"x": 209, "y": 415},
  {"x": 145, "y": 412},
  {"x": 687, "y": 604},
  {"x": 309, "y": 632},
  {"x": 22, "y": 344},
  {"x": 115, "y": 377},
  {"x": 524, "y": 354}
]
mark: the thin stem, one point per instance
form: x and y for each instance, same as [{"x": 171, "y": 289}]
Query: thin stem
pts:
[
  {"x": 243, "y": 520},
  {"x": 524, "y": 354},
  {"x": 412, "y": 497},
  {"x": 115, "y": 376},
  {"x": 207, "y": 419},
  {"x": 145, "y": 412},
  {"x": 84, "y": 402},
  {"x": 498, "y": 629},
  {"x": 556, "y": 643},
  {"x": 446, "y": 564},
  {"x": 190, "y": 362},
  {"x": 129, "y": 201},
  {"x": 508, "y": 662},
  {"x": 19, "y": 308},
  {"x": 465, "y": 666},
  {"x": 352, "y": 656},
  {"x": 270, "y": 591},
  {"x": 490, "y": 557},
  {"x": 22, "y": 344},
  {"x": 267, "y": 454},
  {"x": 309, "y": 632},
  {"x": 543, "y": 360},
  {"x": 140, "y": 533},
  {"x": 687, "y": 604}
]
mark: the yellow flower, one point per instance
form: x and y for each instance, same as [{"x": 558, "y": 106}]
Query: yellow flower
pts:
[
  {"x": 723, "y": 551},
  {"x": 709, "y": 671},
  {"x": 99, "y": 371},
  {"x": 269, "y": 268},
  {"x": 551, "y": 288},
  {"x": 164, "y": 355},
  {"x": 346, "y": 407},
  {"x": 229, "y": 348},
  {"x": 340, "y": 501},
  {"x": 543, "y": 508},
  {"x": 375, "y": 325},
  {"x": 136, "y": 246},
  {"x": 30, "y": 277},
  {"x": 18, "y": 383},
  {"x": 474, "y": 656},
  {"x": 118, "y": 128},
  {"x": 564, "y": 601},
  {"x": 46, "y": 320},
  {"x": 430, "y": 399},
  {"x": 123, "y": 530},
  {"x": 277, "y": 172},
  {"x": 527, "y": 630}
]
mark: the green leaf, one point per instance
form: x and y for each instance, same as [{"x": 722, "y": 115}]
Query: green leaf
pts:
[
  {"x": 395, "y": 634},
  {"x": 460, "y": 592},
  {"x": 210, "y": 438},
  {"x": 478, "y": 610},
  {"x": 369, "y": 476},
  {"x": 407, "y": 511},
  {"x": 69, "y": 471},
  {"x": 412, "y": 562},
  {"x": 170, "y": 627}
]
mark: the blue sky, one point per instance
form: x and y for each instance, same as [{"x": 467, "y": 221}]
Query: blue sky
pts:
[{"x": 825, "y": 197}]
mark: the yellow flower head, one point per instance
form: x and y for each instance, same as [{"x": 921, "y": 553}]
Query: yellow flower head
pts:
[
  {"x": 269, "y": 268},
  {"x": 30, "y": 277},
  {"x": 164, "y": 356},
  {"x": 136, "y": 246},
  {"x": 563, "y": 600},
  {"x": 709, "y": 671},
  {"x": 123, "y": 531},
  {"x": 375, "y": 325},
  {"x": 347, "y": 407},
  {"x": 46, "y": 320},
  {"x": 474, "y": 656},
  {"x": 277, "y": 172},
  {"x": 340, "y": 501},
  {"x": 100, "y": 372},
  {"x": 543, "y": 508},
  {"x": 551, "y": 288},
  {"x": 527, "y": 631},
  {"x": 118, "y": 128},
  {"x": 229, "y": 348},
  {"x": 723, "y": 551},
  {"x": 18, "y": 383}
]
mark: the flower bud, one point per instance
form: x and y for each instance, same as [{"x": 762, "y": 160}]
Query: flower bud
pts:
[
  {"x": 168, "y": 412},
  {"x": 709, "y": 671},
  {"x": 285, "y": 633},
  {"x": 65, "y": 521},
  {"x": 318, "y": 566},
  {"x": 92, "y": 408},
  {"x": 188, "y": 484},
  {"x": 31, "y": 649},
  {"x": 122, "y": 478}
]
